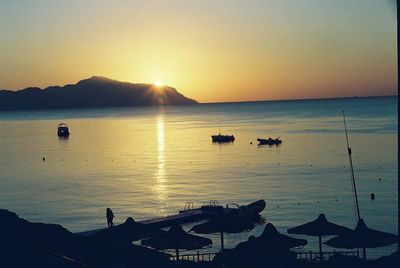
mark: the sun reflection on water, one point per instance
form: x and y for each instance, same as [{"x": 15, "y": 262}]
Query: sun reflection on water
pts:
[{"x": 160, "y": 174}]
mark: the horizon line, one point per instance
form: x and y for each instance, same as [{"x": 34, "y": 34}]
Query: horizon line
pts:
[{"x": 301, "y": 99}]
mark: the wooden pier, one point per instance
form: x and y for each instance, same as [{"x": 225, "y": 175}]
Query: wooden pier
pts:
[
  {"x": 192, "y": 215},
  {"x": 185, "y": 216}
]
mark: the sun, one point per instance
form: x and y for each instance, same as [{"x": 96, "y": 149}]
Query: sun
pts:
[{"x": 158, "y": 83}]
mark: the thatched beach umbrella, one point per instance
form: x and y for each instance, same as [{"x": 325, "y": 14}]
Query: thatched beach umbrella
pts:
[
  {"x": 271, "y": 237},
  {"x": 271, "y": 241},
  {"x": 176, "y": 238},
  {"x": 127, "y": 232},
  {"x": 319, "y": 227},
  {"x": 225, "y": 224},
  {"x": 362, "y": 237},
  {"x": 271, "y": 248}
]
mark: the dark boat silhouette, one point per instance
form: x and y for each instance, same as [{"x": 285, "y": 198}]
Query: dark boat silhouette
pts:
[
  {"x": 222, "y": 138},
  {"x": 269, "y": 141},
  {"x": 215, "y": 209},
  {"x": 63, "y": 131}
]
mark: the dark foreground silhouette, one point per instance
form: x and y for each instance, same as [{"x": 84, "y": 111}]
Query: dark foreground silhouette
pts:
[
  {"x": 94, "y": 92},
  {"x": 26, "y": 244}
]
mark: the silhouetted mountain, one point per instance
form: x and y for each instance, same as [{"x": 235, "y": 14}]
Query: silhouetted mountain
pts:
[{"x": 96, "y": 91}]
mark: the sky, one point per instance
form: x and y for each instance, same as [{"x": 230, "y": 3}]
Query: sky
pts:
[{"x": 210, "y": 50}]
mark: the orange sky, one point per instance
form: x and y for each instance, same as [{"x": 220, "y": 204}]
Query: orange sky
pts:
[{"x": 211, "y": 51}]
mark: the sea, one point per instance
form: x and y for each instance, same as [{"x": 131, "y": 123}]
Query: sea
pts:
[{"x": 146, "y": 162}]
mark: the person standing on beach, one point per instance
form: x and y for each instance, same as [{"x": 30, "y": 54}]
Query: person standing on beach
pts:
[{"x": 110, "y": 217}]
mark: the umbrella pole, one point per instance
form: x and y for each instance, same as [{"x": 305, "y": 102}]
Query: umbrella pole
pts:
[
  {"x": 320, "y": 247},
  {"x": 222, "y": 241},
  {"x": 365, "y": 254},
  {"x": 177, "y": 254}
]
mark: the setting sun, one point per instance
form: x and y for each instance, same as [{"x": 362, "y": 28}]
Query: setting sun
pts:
[{"x": 158, "y": 83}]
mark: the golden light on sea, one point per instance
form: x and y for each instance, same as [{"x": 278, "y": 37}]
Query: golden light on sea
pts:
[{"x": 160, "y": 175}]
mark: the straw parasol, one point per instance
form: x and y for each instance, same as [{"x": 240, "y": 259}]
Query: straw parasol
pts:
[
  {"x": 271, "y": 248},
  {"x": 319, "y": 227},
  {"x": 362, "y": 237},
  {"x": 176, "y": 238},
  {"x": 127, "y": 232},
  {"x": 271, "y": 237}
]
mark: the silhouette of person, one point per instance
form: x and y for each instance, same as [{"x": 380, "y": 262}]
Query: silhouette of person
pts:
[{"x": 110, "y": 217}]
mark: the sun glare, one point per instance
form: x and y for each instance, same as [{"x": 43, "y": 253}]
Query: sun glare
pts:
[{"x": 158, "y": 83}]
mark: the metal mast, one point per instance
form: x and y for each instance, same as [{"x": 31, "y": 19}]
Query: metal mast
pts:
[{"x": 353, "y": 181}]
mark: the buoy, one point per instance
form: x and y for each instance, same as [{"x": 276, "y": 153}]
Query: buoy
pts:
[
  {"x": 372, "y": 196},
  {"x": 380, "y": 179}
]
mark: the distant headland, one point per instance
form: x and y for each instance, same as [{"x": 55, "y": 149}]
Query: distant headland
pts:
[{"x": 94, "y": 92}]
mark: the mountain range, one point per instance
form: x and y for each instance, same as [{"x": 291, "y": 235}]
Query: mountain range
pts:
[{"x": 94, "y": 92}]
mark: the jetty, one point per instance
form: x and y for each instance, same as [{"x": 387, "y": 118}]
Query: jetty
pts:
[
  {"x": 180, "y": 218},
  {"x": 190, "y": 214}
]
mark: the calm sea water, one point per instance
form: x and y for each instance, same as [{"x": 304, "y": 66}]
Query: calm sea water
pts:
[{"x": 147, "y": 162}]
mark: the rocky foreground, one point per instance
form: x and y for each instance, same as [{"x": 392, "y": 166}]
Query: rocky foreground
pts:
[{"x": 26, "y": 244}]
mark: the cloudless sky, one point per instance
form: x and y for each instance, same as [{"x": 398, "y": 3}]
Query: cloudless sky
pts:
[{"x": 210, "y": 50}]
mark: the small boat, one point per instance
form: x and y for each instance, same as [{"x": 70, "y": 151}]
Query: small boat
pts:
[
  {"x": 63, "y": 131},
  {"x": 269, "y": 141},
  {"x": 250, "y": 210},
  {"x": 222, "y": 138},
  {"x": 214, "y": 209}
]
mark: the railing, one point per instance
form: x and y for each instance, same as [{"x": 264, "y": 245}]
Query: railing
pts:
[
  {"x": 314, "y": 256},
  {"x": 311, "y": 256},
  {"x": 197, "y": 257}
]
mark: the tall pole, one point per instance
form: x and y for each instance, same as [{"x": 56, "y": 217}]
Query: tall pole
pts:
[
  {"x": 222, "y": 241},
  {"x": 320, "y": 247},
  {"x": 398, "y": 154},
  {"x": 353, "y": 181}
]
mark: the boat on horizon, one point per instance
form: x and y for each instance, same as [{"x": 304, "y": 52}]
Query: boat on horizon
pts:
[
  {"x": 269, "y": 141},
  {"x": 62, "y": 130},
  {"x": 222, "y": 138}
]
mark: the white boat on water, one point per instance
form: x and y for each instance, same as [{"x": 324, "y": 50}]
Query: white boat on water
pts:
[{"x": 62, "y": 130}]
